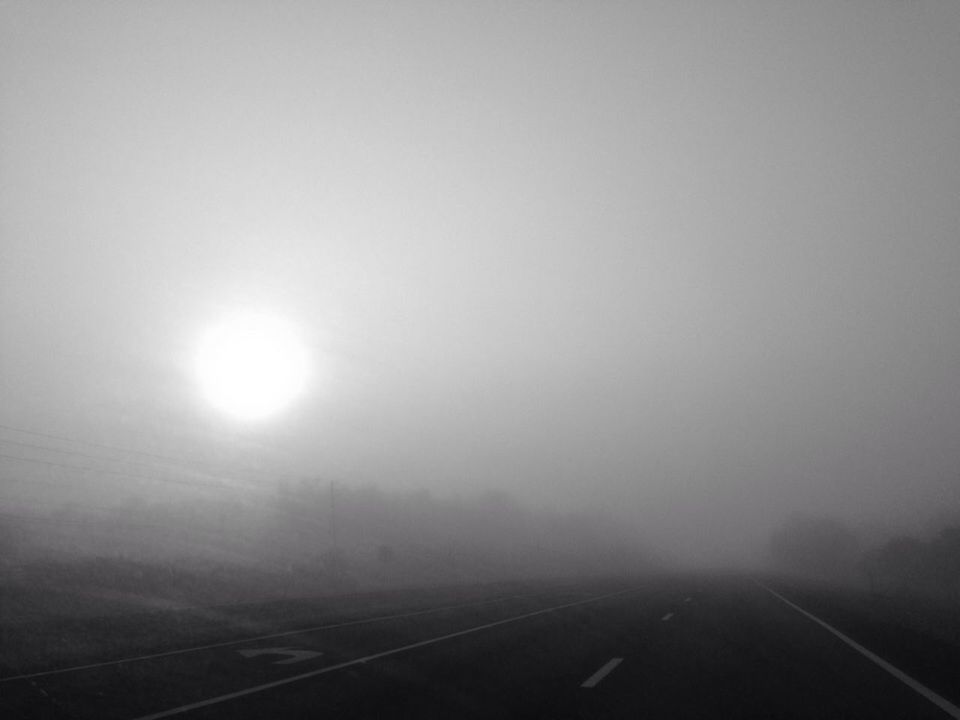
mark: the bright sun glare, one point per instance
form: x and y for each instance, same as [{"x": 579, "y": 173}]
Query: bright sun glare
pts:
[{"x": 251, "y": 366}]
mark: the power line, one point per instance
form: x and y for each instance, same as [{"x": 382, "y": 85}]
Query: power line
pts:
[
  {"x": 85, "y": 442},
  {"x": 112, "y": 472},
  {"x": 296, "y": 513},
  {"x": 85, "y": 520},
  {"x": 176, "y": 462},
  {"x": 106, "y": 459}
]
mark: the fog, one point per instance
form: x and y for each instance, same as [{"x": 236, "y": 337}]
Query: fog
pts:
[{"x": 608, "y": 282}]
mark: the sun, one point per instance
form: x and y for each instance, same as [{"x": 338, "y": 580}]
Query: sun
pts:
[{"x": 252, "y": 365}]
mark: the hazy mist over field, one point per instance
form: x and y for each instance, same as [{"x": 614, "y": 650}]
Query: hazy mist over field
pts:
[{"x": 686, "y": 268}]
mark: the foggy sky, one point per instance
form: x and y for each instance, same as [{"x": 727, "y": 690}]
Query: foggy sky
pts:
[{"x": 697, "y": 263}]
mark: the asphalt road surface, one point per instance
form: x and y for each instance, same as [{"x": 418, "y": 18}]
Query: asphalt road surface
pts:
[{"x": 678, "y": 647}]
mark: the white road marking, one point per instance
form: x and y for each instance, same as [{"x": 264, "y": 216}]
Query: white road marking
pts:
[
  {"x": 686, "y": 600},
  {"x": 942, "y": 703},
  {"x": 666, "y": 617},
  {"x": 359, "y": 661},
  {"x": 600, "y": 674},
  {"x": 293, "y": 655},
  {"x": 228, "y": 643}
]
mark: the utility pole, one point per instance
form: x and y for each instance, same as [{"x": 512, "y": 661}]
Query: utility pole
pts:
[
  {"x": 333, "y": 517},
  {"x": 335, "y": 566}
]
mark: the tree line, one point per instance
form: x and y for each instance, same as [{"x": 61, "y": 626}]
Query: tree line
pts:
[
  {"x": 827, "y": 549},
  {"x": 311, "y": 536}
]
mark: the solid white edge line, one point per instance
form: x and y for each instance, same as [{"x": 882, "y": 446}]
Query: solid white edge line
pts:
[
  {"x": 600, "y": 674},
  {"x": 286, "y": 633},
  {"x": 941, "y": 702},
  {"x": 358, "y": 661}
]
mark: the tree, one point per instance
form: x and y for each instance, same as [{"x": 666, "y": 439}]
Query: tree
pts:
[
  {"x": 814, "y": 546},
  {"x": 385, "y": 554},
  {"x": 898, "y": 563},
  {"x": 945, "y": 560},
  {"x": 8, "y": 541}
]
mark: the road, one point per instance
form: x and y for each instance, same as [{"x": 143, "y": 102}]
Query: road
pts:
[{"x": 669, "y": 647}]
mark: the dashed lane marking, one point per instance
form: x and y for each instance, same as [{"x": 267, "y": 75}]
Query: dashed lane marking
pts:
[
  {"x": 359, "y": 661},
  {"x": 666, "y": 617},
  {"x": 600, "y": 674},
  {"x": 292, "y": 655},
  {"x": 241, "y": 641}
]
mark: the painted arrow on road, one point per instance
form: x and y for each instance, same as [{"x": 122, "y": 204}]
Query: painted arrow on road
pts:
[{"x": 294, "y": 655}]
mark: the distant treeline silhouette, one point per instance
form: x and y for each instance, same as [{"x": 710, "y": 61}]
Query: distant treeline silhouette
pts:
[
  {"x": 825, "y": 548},
  {"x": 307, "y": 536},
  {"x": 906, "y": 564}
]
